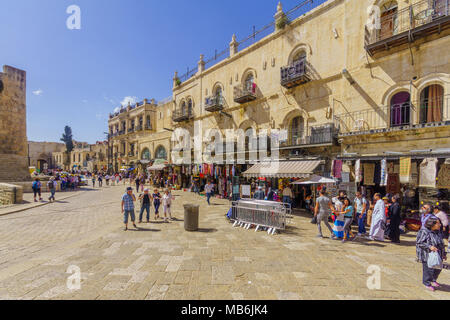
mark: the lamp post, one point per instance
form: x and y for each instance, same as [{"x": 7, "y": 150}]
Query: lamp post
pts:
[{"x": 108, "y": 152}]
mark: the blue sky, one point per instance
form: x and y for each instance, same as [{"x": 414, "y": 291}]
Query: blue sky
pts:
[{"x": 124, "y": 49}]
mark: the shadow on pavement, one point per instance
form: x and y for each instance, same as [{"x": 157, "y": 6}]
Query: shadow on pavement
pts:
[
  {"x": 207, "y": 230},
  {"x": 144, "y": 230}
]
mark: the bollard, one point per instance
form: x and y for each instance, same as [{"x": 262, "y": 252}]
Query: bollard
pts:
[{"x": 191, "y": 217}]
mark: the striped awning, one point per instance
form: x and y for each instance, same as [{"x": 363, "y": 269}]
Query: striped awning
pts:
[{"x": 287, "y": 169}]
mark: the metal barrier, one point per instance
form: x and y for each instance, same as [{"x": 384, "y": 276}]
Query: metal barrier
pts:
[{"x": 263, "y": 214}]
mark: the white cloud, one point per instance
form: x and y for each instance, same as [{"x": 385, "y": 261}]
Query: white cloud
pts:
[
  {"x": 85, "y": 101},
  {"x": 129, "y": 99},
  {"x": 38, "y": 92},
  {"x": 116, "y": 110}
]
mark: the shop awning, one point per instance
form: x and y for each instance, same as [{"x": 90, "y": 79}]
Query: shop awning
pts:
[
  {"x": 316, "y": 180},
  {"x": 157, "y": 167},
  {"x": 288, "y": 169}
]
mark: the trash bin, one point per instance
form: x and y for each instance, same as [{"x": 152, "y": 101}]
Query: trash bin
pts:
[{"x": 191, "y": 217}]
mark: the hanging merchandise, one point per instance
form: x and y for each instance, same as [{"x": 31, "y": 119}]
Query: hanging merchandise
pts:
[
  {"x": 358, "y": 171},
  {"x": 345, "y": 177},
  {"x": 414, "y": 181},
  {"x": 233, "y": 171},
  {"x": 405, "y": 170},
  {"x": 337, "y": 169},
  {"x": 443, "y": 179},
  {"x": 393, "y": 184},
  {"x": 428, "y": 173},
  {"x": 377, "y": 174},
  {"x": 390, "y": 167},
  {"x": 369, "y": 171},
  {"x": 384, "y": 174}
]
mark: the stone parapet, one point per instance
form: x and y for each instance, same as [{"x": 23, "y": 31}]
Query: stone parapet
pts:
[
  {"x": 10, "y": 194},
  {"x": 14, "y": 168}
]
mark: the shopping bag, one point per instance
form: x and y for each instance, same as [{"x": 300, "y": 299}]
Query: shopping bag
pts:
[{"x": 434, "y": 261}]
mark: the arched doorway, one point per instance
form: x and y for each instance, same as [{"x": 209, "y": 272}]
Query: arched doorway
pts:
[
  {"x": 431, "y": 104},
  {"x": 42, "y": 165},
  {"x": 296, "y": 131},
  {"x": 145, "y": 154},
  {"x": 161, "y": 153},
  {"x": 400, "y": 109}
]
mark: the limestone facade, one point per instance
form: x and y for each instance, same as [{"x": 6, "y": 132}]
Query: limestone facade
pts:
[
  {"x": 13, "y": 129},
  {"x": 91, "y": 157},
  {"x": 40, "y": 154},
  {"x": 139, "y": 133},
  {"x": 335, "y": 87}
]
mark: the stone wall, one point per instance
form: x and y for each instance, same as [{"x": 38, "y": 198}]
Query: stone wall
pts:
[
  {"x": 13, "y": 129},
  {"x": 10, "y": 194}
]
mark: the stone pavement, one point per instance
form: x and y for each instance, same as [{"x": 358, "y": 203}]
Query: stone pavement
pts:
[
  {"x": 28, "y": 201},
  {"x": 162, "y": 261}
]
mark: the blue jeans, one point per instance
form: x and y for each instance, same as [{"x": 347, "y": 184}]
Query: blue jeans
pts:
[
  {"x": 361, "y": 223},
  {"x": 287, "y": 199},
  {"x": 156, "y": 204},
  {"x": 52, "y": 194},
  {"x": 145, "y": 206},
  {"x": 125, "y": 216},
  {"x": 208, "y": 196}
]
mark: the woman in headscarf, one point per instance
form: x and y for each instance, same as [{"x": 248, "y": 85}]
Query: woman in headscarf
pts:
[{"x": 429, "y": 239}]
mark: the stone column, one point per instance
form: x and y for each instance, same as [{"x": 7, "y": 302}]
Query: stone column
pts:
[
  {"x": 279, "y": 16},
  {"x": 175, "y": 80},
  {"x": 201, "y": 64},
  {"x": 233, "y": 46}
]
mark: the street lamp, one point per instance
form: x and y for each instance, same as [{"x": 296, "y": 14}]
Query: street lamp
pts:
[{"x": 109, "y": 151}]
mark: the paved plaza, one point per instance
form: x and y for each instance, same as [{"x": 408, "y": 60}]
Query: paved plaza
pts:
[{"x": 162, "y": 261}]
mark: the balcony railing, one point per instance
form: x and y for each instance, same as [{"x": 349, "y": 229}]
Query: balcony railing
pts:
[
  {"x": 244, "y": 93},
  {"x": 130, "y": 130},
  {"x": 121, "y": 132},
  {"x": 139, "y": 127},
  {"x": 314, "y": 135},
  {"x": 148, "y": 127},
  {"x": 214, "y": 103},
  {"x": 429, "y": 111},
  {"x": 181, "y": 115},
  {"x": 294, "y": 74},
  {"x": 399, "y": 27}
]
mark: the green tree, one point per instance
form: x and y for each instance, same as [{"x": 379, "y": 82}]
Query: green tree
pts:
[{"x": 67, "y": 139}]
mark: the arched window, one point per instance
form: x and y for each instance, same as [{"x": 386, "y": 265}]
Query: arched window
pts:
[
  {"x": 388, "y": 19},
  {"x": 183, "y": 107},
  {"x": 299, "y": 56},
  {"x": 249, "y": 83},
  {"x": 148, "y": 124},
  {"x": 431, "y": 104},
  {"x": 296, "y": 130},
  {"x": 400, "y": 108},
  {"x": 161, "y": 153},
  {"x": 145, "y": 155},
  {"x": 189, "y": 110}
]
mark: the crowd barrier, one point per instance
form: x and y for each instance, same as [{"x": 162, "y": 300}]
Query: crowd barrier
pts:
[{"x": 268, "y": 215}]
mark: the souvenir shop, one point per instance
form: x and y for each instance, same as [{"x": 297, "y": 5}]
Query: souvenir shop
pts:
[{"x": 418, "y": 179}]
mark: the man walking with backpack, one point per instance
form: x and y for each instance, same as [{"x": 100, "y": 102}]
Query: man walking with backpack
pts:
[{"x": 51, "y": 184}]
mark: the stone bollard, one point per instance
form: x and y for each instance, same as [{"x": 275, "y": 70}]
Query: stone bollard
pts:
[{"x": 191, "y": 217}]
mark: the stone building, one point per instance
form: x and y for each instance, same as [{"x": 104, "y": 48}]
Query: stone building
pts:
[
  {"x": 40, "y": 154},
  {"x": 336, "y": 86},
  {"x": 138, "y": 133},
  {"x": 13, "y": 129},
  {"x": 91, "y": 157}
]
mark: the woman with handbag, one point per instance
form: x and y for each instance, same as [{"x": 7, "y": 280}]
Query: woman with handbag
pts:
[{"x": 429, "y": 242}]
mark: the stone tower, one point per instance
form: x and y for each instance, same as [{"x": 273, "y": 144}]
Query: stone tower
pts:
[{"x": 13, "y": 126}]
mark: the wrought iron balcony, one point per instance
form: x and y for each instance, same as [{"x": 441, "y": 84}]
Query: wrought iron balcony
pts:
[
  {"x": 121, "y": 132},
  {"x": 418, "y": 20},
  {"x": 312, "y": 136},
  {"x": 130, "y": 130},
  {"x": 294, "y": 74},
  {"x": 214, "y": 103},
  {"x": 435, "y": 112},
  {"x": 148, "y": 127},
  {"x": 244, "y": 94},
  {"x": 139, "y": 127},
  {"x": 181, "y": 115}
]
